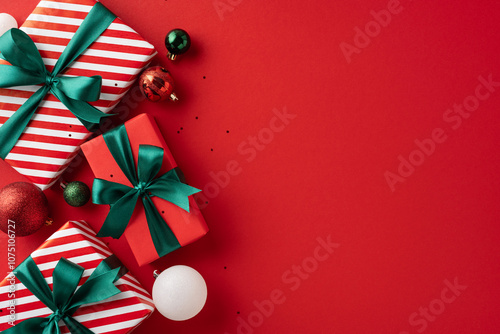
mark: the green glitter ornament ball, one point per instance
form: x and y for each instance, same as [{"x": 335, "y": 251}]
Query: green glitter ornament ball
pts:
[{"x": 76, "y": 193}]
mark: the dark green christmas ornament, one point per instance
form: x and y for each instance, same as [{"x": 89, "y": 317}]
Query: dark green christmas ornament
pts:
[
  {"x": 76, "y": 193},
  {"x": 177, "y": 43}
]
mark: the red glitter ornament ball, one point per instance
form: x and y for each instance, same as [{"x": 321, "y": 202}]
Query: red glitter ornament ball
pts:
[
  {"x": 157, "y": 84},
  {"x": 24, "y": 209}
]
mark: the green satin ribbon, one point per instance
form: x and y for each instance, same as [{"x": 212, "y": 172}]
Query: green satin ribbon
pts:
[
  {"x": 145, "y": 185},
  {"x": 28, "y": 69},
  {"x": 64, "y": 299}
]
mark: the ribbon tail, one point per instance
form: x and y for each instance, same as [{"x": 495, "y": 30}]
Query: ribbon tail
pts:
[
  {"x": 163, "y": 238},
  {"x": 31, "y": 325},
  {"x": 75, "y": 327},
  {"x": 119, "y": 215},
  {"x": 109, "y": 263},
  {"x": 180, "y": 175},
  {"x": 87, "y": 114},
  {"x": 51, "y": 327},
  {"x": 173, "y": 191},
  {"x": 11, "y": 131}
]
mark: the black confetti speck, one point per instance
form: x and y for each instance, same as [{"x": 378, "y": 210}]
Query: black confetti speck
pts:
[
  {"x": 196, "y": 117},
  {"x": 204, "y": 77},
  {"x": 227, "y": 131}
]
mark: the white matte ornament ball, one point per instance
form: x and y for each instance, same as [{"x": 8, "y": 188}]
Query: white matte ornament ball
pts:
[
  {"x": 179, "y": 293},
  {"x": 7, "y": 22}
]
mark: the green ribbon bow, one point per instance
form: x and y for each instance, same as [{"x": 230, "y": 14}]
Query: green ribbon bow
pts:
[
  {"x": 28, "y": 69},
  {"x": 64, "y": 300},
  {"x": 145, "y": 185}
]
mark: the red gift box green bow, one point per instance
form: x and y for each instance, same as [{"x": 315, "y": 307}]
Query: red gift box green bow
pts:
[{"x": 146, "y": 183}]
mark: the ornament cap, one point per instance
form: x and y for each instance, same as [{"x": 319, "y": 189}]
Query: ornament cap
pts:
[
  {"x": 156, "y": 273},
  {"x": 173, "y": 97},
  {"x": 49, "y": 222},
  {"x": 171, "y": 56}
]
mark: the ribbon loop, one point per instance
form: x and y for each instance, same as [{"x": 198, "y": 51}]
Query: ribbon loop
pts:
[
  {"x": 19, "y": 50},
  {"x": 81, "y": 88},
  {"x": 149, "y": 161},
  {"x": 66, "y": 276}
]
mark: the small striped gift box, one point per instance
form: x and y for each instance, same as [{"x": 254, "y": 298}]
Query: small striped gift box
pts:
[
  {"x": 54, "y": 134},
  {"x": 76, "y": 242}
]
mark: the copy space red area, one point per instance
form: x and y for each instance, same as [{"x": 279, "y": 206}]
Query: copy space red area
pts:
[{"x": 348, "y": 152}]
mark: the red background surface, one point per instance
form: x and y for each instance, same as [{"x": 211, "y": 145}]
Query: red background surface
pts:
[{"x": 324, "y": 173}]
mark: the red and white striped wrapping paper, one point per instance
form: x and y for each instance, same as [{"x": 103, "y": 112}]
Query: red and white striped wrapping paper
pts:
[
  {"x": 54, "y": 135},
  {"x": 76, "y": 242}
]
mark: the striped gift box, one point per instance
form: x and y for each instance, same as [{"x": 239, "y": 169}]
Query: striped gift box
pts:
[
  {"x": 77, "y": 242},
  {"x": 54, "y": 135}
]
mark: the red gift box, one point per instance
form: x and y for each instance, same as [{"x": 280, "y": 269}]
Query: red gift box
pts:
[
  {"x": 77, "y": 242},
  {"x": 53, "y": 136},
  {"x": 186, "y": 226}
]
